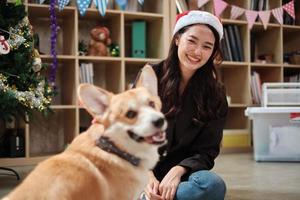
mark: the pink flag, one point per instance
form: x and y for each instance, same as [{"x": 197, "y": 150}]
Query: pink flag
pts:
[
  {"x": 277, "y": 13},
  {"x": 265, "y": 17},
  {"x": 251, "y": 17},
  {"x": 219, "y": 7},
  {"x": 201, "y": 3},
  {"x": 236, "y": 12},
  {"x": 289, "y": 8}
]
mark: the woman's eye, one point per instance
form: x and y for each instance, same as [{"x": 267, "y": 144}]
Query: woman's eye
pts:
[
  {"x": 192, "y": 41},
  {"x": 207, "y": 47},
  {"x": 131, "y": 114},
  {"x": 152, "y": 104}
]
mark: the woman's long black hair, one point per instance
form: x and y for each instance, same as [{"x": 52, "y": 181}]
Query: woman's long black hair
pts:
[{"x": 208, "y": 94}]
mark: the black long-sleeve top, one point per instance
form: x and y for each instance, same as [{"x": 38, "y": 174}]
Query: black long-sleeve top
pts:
[{"x": 192, "y": 144}]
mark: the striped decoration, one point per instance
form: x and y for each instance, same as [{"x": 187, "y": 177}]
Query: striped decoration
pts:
[
  {"x": 101, "y": 6},
  {"x": 277, "y": 13},
  {"x": 141, "y": 2},
  {"x": 236, "y": 12}
]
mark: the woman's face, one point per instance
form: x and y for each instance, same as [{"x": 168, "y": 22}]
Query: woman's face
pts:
[{"x": 195, "y": 46}]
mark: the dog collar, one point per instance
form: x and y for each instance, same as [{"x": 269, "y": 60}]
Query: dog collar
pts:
[{"x": 107, "y": 145}]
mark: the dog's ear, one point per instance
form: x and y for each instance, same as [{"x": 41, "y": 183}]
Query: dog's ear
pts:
[
  {"x": 148, "y": 80},
  {"x": 94, "y": 99}
]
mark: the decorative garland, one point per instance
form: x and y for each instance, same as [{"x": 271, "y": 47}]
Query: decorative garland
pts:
[
  {"x": 54, "y": 30},
  {"x": 34, "y": 98}
]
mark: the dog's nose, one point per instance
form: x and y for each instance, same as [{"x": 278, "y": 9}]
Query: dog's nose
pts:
[{"x": 159, "y": 122}]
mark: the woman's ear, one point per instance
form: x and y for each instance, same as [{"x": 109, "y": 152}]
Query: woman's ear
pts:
[{"x": 148, "y": 80}]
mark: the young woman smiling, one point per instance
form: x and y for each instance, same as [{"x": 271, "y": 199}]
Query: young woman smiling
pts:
[{"x": 194, "y": 103}]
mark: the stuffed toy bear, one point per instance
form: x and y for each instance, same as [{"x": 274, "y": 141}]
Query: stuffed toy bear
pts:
[{"x": 99, "y": 42}]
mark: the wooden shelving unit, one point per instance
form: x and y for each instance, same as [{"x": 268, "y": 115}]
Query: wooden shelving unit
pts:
[
  {"x": 48, "y": 136},
  {"x": 276, "y": 40}
]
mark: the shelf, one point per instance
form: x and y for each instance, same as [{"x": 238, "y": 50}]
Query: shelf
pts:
[
  {"x": 48, "y": 58},
  {"x": 265, "y": 65},
  {"x": 99, "y": 59},
  {"x": 238, "y": 105},
  {"x": 142, "y": 60},
  {"x": 59, "y": 107}
]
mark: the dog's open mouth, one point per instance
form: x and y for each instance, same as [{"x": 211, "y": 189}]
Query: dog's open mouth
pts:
[{"x": 158, "y": 138}]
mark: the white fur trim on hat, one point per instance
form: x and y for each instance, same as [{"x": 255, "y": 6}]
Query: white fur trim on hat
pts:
[{"x": 198, "y": 17}]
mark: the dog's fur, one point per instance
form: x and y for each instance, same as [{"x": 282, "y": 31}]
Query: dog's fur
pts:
[{"x": 83, "y": 170}]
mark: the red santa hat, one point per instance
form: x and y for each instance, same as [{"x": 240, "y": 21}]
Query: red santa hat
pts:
[{"x": 198, "y": 17}]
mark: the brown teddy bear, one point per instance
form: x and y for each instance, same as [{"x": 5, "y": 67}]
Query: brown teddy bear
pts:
[{"x": 99, "y": 42}]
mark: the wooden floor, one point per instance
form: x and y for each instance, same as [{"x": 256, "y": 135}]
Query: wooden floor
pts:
[{"x": 245, "y": 178}]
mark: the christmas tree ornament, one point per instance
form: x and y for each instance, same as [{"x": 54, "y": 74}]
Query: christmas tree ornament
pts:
[
  {"x": 4, "y": 46},
  {"x": 37, "y": 62}
]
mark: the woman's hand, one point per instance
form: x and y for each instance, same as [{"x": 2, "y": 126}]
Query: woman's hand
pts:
[
  {"x": 168, "y": 186},
  {"x": 151, "y": 189}
]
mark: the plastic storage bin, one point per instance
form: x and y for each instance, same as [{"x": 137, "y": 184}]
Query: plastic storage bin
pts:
[{"x": 276, "y": 136}]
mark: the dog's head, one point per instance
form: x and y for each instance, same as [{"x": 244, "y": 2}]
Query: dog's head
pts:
[{"x": 132, "y": 119}]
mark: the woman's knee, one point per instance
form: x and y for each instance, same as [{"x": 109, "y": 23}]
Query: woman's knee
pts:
[
  {"x": 212, "y": 185},
  {"x": 207, "y": 179}
]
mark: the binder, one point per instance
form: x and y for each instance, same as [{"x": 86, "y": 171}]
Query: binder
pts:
[{"x": 139, "y": 39}]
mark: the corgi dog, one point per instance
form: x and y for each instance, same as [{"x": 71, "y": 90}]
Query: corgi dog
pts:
[{"x": 111, "y": 160}]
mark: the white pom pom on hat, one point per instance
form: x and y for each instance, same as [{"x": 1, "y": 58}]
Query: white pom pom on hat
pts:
[{"x": 198, "y": 17}]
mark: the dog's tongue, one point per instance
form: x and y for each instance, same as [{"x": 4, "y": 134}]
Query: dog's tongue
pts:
[{"x": 158, "y": 138}]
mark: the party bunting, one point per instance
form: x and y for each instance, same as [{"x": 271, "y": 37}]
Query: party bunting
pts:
[
  {"x": 42, "y": 1},
  {"x": 219, "y": 7},
  {"x": 62, "y": 4},
  {"x": 201, "y": 3},
  {"x": 251, "y": 17},
  {"x": 236, "y": 12},
  {"x": 277, "y": 13},
  {"x": 101, "y": 6},
  {"x": 290, "y": 9},
  {"x": 265, "y": 17},
  {"x": 83, "y": 6},
  {"x": 141, "y": 2},
  {"x": 122, "y": 4}
]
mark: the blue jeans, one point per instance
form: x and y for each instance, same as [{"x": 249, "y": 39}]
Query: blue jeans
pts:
[{"x": 201, "y": 185}]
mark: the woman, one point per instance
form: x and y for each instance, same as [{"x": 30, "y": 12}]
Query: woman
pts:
[{"x": 195, "y": 105}]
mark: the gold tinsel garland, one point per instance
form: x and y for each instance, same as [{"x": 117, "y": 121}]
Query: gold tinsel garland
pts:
[{"x": 34, "y": 98}]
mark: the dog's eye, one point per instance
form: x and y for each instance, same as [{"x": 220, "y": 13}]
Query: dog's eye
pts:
[
  {"x": 152, "y": 104},
  {"x": 131, "y": 114}
]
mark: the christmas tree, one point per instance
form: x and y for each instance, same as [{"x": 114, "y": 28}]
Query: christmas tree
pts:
[{"x": 23, "y": 88}]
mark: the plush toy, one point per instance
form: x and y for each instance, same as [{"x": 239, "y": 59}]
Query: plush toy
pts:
[{"x": 99, "y": 42}]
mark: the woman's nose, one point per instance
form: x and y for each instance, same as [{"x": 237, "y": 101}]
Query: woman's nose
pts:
[{"x": 198, "y": 51}]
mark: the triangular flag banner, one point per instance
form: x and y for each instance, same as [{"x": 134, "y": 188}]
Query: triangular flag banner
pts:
[
  {"x": 122, "y": 4},
  {"x": 101, "y": 6},
  {"x": 277, "y": 13},
  {"x": 251, "y": 17},
  {"x": 265, "y": 17},
  {"x": 141, "y": 2},
  {"x": 83, "y": 6},
  {"x": 201, "y": 3},
  {"x": 219, "y": 7},
  {"x": 62, "y": 4},
  {"x": 236, "y": 12},
  {"x": 42, "y": 1},
  {"x": 290, "y": 9}
]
